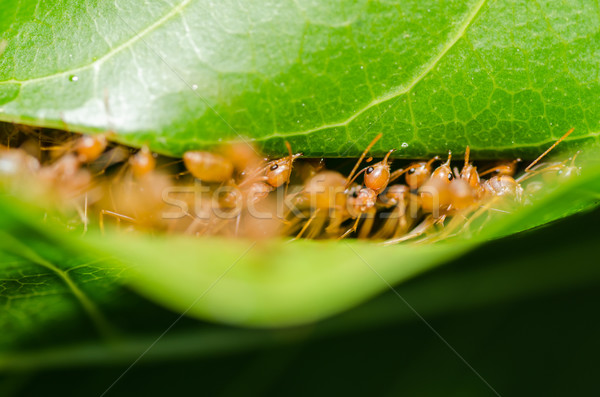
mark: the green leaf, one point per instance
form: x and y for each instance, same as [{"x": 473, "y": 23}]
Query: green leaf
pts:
[
  {"x": 506, "y": 77},
  {"x": 518, "y": 269},
  {"x": 274, "y": 283},
  {"x": 36, "y": 292}
]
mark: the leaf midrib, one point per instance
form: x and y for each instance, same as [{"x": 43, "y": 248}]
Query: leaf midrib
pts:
[
  {"x": 401, "y": 90},
  {"x": 397, "y": 93}
]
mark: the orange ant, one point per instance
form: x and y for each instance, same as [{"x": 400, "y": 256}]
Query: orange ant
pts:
[
  {"x": 362, "y": 200},
  {"x": 207, "y": 166},
  {"x": 325, "y": 196},
  {"x": 464, "y": 193},
  {"x": 399, "y": 198},
  {"x": 416, "y": 173},
  {"x": 257, "y": 180}
]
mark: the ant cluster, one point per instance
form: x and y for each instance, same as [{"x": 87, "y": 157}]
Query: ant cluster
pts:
[{"x": 233, "y": 191}]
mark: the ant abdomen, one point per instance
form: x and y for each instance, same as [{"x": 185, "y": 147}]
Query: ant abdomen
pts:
[
  {"x": 208, "y": 167},
  {"x": 90, "y": 147},
  {"x": 326, "y": 190}
]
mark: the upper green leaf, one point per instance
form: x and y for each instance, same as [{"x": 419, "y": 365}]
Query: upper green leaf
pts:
[{"x": 504, "y": 76}]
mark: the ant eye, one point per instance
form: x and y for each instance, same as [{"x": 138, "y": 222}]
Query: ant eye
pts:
[
  {"x": 412, "y": 171},
  {"x": 450, "y": 176},
  {"x": 355, "y": 194},
  {"x": 369, "y": 170},
  {"x": 274, "y": 167}
]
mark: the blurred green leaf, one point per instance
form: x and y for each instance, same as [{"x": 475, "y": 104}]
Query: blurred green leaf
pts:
[
  {"x": 41, "y": 285},
  {"x": 274, "y": 283},
  {"x": 508, "y": 270},
  {"x": 506, "y": 77}
]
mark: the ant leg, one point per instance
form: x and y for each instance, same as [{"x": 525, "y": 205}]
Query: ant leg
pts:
[
  {"x": 387, "y": 228},
  {"x": 549, "y": 149},
  {"x": 316, "y": 228},
  {"x": 85, "y": 216},
  {"x": 352, "y": 229},
  {"x": 337, "y": 217},
  {"x": 483, "y": 209},
  {"x": 396, "y": 174},
  {"x": 307, "y": 224},
  {"x": 365, "y": 230},
  {"x": 422, "y": 228},
  {"x": 292, "y": 225},
  {"x": 404, "y": 222},
  {"x": 115, "y": 215},
  {"x": 456, "y": 221},
  {"x": 540, "y": 169},
  {"x": 238, "y": 218}
]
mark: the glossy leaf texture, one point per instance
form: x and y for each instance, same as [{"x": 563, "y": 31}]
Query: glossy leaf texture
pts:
[{"x": 506, "y": 77}]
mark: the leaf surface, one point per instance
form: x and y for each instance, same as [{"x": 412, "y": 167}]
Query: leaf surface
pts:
[{"x": 506, "y": 77}]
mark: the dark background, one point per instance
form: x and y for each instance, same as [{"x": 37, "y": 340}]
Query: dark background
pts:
[{"x": 521, "y": 311}]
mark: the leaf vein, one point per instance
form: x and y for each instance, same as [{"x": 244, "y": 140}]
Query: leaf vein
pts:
[{"x": 402, "y": 89}]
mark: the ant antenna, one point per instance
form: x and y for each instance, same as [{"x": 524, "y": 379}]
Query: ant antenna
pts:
[
  {"x": 428, "y": 164},
  {"x": 361, "y": 158},
  {"x": 449, "y": 157},
  {"x": 467, "y": 154},
  {"x": 387, "y": 156},
  {"x": 549, "y": 149},
  {"x": 355, "y": 176},
  {"x": 291, "y": 161},
  {"x": 385, "y": 160},
  {"x": 574, "y": 157},
  {"x": 499, "y": 167}
]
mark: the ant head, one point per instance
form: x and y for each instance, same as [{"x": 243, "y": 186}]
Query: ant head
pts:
[
  {"x": 208, "y": 167},
  {"x": 469, "y": 172},
  {"x": 418, "y": 173},
  {"x": 377, "y": 176},
  {"x": 508, "y": 168},
  {"x": 470, "y": 175},
  {"x": 142, "y": 163},
  {"x": 258, "y": 191},
  {"x": 279, "y": 171},
  {"x": 364, "y": 199},
  {"x": 90, "y": 147},
  {"x": 443, "y": 173},
  {"x": 570, "y": 170}
]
